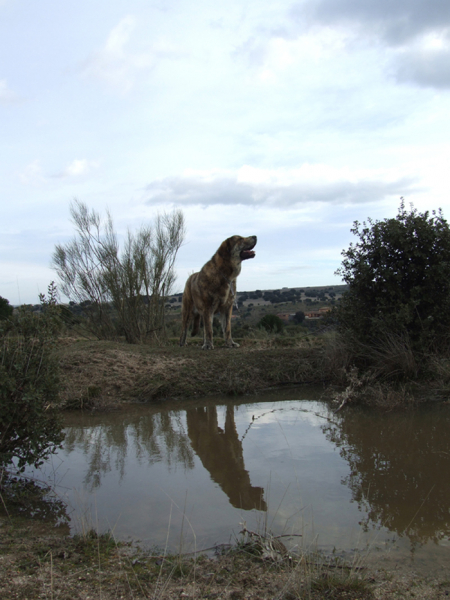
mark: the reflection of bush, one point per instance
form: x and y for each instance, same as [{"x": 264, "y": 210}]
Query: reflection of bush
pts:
[
  {"x": 398, "y": 469},
  {"x": 149, "y": 438},
  {"x": 23, "y": 497}
]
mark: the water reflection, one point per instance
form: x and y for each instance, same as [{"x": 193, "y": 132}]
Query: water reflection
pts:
[
  {"x": 398, "y": 469},
  {"x": 147, "y": 438},
  {"x": 171, "y": 437},
  {"x": 348, "y": 480},
  {"x": 221, "y": 453}
]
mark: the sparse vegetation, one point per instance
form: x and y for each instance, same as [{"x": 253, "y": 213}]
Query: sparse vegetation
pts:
[{"x": 120, "y": 294}]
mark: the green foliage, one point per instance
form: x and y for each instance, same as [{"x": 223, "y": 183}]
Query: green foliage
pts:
[
  {"x": 299, "y": 317},
  {"x": 30, "y": 427},
  {"x": 6, "y": 310},
  {"x": 271, "y": 323},
  {"x": 398, "y": 278}
]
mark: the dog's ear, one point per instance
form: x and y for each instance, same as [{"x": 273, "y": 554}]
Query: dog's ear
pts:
[{"x": 224, "y": 250}]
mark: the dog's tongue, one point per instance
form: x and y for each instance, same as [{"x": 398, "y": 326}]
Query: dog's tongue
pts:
[{"x": 245, "y": 254}]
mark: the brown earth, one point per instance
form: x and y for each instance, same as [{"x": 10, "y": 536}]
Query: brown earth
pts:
[{"x": 101, "y": 375}]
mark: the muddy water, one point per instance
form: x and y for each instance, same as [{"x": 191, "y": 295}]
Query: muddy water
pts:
[{"x": 188, "y": 475}]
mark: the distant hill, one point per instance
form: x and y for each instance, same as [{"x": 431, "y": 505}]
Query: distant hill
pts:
[{"x": 275, "y": 296}]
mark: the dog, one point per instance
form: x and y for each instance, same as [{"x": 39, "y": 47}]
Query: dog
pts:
[{"x": 213, "y": 291}]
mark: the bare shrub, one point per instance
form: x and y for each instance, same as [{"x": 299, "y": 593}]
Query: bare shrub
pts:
[{"x": 121, "y": 293}]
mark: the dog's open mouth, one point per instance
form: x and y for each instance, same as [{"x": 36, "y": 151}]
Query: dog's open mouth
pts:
[{"x": 245, "y": 254}]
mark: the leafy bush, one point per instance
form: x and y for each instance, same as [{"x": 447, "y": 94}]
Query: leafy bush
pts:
[
  {"x": 6, "y": 310},
  {"x": 271, "y": 323},
  {"x": 30, "y": 427},
  {"x": 299, "y": 317},
  {"x": 398, "y": 278}
]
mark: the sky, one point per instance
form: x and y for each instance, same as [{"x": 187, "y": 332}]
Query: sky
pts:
[{"x": 284, "y": 119}]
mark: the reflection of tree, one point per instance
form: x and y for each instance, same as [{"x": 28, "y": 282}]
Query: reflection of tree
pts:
[
  {"x": 221, "y": 454},
  {"x": 152, "y": 437},
  {"x": 399, "y": 469}
]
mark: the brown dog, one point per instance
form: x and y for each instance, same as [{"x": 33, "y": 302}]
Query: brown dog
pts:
[{"x": 213, "y": 290}]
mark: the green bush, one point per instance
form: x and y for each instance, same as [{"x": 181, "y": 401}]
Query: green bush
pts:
[
  {"x": 30, "y": 426},
  {"x": 398, "y": 278},
  {"x": 6, "y": 310},
  {"x": 271, "y": 323}
]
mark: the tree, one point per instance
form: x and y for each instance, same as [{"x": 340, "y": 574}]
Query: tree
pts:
[
  {"x": 398, "y": 275},
  {"x": 6, "y": 310},
  {"x": 299, "y": 317},
  {"x": 30, "y": 425},
  {"x": 122, "y": 293},
  {"x": 271, "y": 323}
]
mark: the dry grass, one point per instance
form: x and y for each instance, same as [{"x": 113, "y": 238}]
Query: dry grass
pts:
[{"x": 40, "y": 561}]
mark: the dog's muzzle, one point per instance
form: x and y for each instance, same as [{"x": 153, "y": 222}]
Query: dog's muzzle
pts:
[{"x": 248, "y": 252}]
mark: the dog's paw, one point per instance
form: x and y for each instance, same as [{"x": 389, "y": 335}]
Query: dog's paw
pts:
[
  {"x": 208, "y": 346},
  {"x": 232, "y": 344}
]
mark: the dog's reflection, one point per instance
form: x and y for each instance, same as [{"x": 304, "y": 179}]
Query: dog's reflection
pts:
[{"x": 220, "y": 451}]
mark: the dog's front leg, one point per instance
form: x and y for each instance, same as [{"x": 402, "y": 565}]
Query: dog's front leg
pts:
[
  {"x": 227, "y": 330},
  {"x": 208, "y": 330}
]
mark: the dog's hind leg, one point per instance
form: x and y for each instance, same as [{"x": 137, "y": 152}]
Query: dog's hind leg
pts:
[
  {"x": 186, "y": 317},
  {"x": 196, "y": 326}
]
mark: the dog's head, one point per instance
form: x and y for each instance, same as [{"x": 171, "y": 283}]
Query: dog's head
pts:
[{"x": 238, "y": 248}]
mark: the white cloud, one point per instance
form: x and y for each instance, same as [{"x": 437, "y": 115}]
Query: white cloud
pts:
[
  {"x": 7, "y": 96},
  {"x": 117, "y": 64},
  {"x": 78, "y": 167},
  {"x": 32, "y": 174},
  {"x": 278, "y": 187}
]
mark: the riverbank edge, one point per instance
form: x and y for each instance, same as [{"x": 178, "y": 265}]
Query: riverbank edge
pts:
[
  {"x": 101, "y": 375},
  {"x": 39, "y": 560}
]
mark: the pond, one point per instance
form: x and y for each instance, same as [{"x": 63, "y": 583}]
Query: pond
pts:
[{"x": 187, "y": 476}]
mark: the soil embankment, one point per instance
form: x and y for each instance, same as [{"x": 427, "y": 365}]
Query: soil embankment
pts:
[{"x": 98, "y": 374}]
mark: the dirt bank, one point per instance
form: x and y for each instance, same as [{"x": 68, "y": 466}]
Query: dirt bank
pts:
[{"x": 104, "y": 374}]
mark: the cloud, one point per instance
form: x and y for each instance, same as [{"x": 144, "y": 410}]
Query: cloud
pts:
[
  {"x": 427, "y": 67},
  {"x": 32, "y": 174},
  {"x": 7, "y": 96},
  {"x": 78, "y": 167},
  {"x": 275, "y": 188},
  {"x": 119, "y": 66},
  {"x": 395, "y": 22}
]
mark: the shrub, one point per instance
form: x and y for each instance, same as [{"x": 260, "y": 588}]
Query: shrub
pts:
[
  {"x": 299, "y": 317},
  {"x": 271, "y": 323},
  {"x": 398, "y": 278},
  {"x": 30, "y": 426},
  {"x": 6, "y": 310},
  {"x": 122, "y": 293}
]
